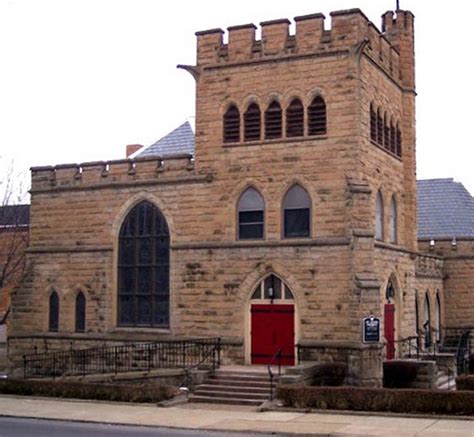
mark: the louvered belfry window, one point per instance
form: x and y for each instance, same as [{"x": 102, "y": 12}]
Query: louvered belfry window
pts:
[
  {"x": 393, "y": 138},
  {"x": 379, "y": 128},
  {"x": 144, "y": 268},
  {"x": 273, "y": 121},
  {"x": 373, "y": 123},
  {"x": 317, "y": 118},
  {"x": 232, "y": 125},
  {"x": 53, "y": 324},
  {"x": 295, "y": 119},
  {"x": 386, "y": 132},
  {"x": 252, "y": 123},
  {"x": 398, "y": 150},
  {"x": 80, "y": 312}
]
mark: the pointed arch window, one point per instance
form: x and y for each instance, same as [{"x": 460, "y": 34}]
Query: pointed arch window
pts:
[
  {"x": 392, "y": 234},
  {"x": 373, "y": 123},
  {"x": 273, "y": 121},
  {"x": 379, "y": 216},
  {"x": 438, "y": 318},
  {"x": 53, "y": 324},
  {"x": 296, "y": 213},
  {"x": 80, "y": 312},
  {"x": 427, "y": 321},
  {"x": 144, "y": 268},
  {"x": 317, "y": 118},
  {"x": 252, "y": 123},
  {"x": 379, "y": 127},
  {"x": 386, "y": 132},
  {"x": 272, "y": 287},
  {"x": 398, "y": 146},
  {"x": 250, "y": 211},
  {"x": 393, "y": 138},
  {"x": 232, "y": 125},
  {"x": 295, "y": 119}
]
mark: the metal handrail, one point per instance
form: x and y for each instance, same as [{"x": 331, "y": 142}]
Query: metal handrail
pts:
[
  {"x": 270, "y": 373},
  {"x": 115, "y": 359}
]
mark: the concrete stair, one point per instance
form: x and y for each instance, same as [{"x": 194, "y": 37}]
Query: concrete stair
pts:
[{"x": 233, "y": 388}]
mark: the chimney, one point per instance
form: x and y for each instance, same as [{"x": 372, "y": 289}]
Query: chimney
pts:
[{"x": 131, "y": 149}]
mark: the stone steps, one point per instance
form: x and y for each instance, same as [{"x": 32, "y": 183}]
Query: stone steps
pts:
[
  {"x": 444, "y": 381},
  {"x": 233, "y": 388}
]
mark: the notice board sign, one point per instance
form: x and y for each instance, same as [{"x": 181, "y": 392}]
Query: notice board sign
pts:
[{"x": 370, "y": 329}]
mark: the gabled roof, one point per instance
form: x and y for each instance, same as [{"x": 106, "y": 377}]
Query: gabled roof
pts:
[
  {"x": 445, "y": 209},
  {"x": 178, "y": 141},
  {"x": 14, "y": 216}
]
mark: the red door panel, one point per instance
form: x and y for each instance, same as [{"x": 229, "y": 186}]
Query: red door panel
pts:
[
  {"x": 272, "y": 328},
  {"x": 389, "y": 329}
]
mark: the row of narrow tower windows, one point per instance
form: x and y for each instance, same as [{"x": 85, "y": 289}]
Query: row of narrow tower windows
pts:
[
  {"x": 80, "y": 312},
  {"x": 273, "y": 128},
  {"x": 384, "y": 132}
]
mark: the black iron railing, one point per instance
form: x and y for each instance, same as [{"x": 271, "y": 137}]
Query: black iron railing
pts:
[
  {"x": 276, "y": 360},
  {"x": 124, "y": 358},
  {"x": 463, "y": 352}
]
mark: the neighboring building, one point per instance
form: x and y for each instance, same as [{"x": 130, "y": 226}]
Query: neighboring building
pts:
[{"x": 288, "y": 218}]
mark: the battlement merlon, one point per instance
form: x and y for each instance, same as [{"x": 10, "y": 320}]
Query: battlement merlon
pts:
[
  {"x": 348, "y": 28},
  {"x": 107, "y": 172}
]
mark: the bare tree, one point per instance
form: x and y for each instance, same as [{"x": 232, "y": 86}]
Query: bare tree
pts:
[{"x": 14, "y": 233}]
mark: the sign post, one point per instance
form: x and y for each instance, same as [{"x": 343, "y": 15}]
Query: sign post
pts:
[{"x": 370, "y": 329}]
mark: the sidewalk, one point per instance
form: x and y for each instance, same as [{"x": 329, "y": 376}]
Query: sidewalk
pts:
[{"x": 231, "y": 418}]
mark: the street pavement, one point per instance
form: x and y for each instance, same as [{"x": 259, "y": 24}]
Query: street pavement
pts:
[{"x": 234, "y": 418}]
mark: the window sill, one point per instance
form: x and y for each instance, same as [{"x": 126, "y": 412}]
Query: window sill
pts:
[
  {"x": 140, "y": 330},
  {"x": 399, "y": 158},
  {"x": 276, "y": 141}
]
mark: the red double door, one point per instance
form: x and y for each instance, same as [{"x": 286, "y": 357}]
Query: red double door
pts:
[
  {"x": 272, "y": 328},
  {"x": 389, "y": 329}
]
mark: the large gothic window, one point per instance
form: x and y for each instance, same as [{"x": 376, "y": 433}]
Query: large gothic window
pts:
[
  {"x": 143, "y": 270},
  {"x": 250, "y": 210},
  {"x": 53, "y": 324},
  {"x": 296, "y": 213},
  {"x": 379, "y": 217},
  {"x": 393, "y": 221}
]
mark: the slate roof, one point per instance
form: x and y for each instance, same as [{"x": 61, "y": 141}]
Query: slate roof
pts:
[
  {"x": 178, "y": 141},
  {"x": 12, "y": 216},
  {"x": 445, "y": 209}
]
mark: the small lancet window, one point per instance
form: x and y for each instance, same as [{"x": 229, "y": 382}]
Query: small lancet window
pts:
[
  {"x": 232, "y": 125},
  {"x": 379, "y": 217},
  {"x": 386, "y": 132},
  {"x": 53, "y": 324},
  {"x": 80, "y": 312},
  {"x": 250, "y": 210},
  {"x": 252, "y": 121},
  {"x": 373, "y": 123},
  {"x": 273, "y": 121},
  {"x": 295, "y": 119},
  {"x": 272, "y": 287},
  {"x": 393, "y": 221},
  {"x": 393, "y": 138},
  {"x": 296, "y": 213},
  {"x": 317, "y": 118}
]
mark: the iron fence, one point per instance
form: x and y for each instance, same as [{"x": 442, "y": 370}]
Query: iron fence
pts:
[{"x": 124, "y": 358}]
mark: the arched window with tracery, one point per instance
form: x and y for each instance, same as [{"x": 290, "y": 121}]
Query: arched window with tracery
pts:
[
  {"x": 295, "y": 119},
  {"x": 53, "y": 323},
  {"x": 296, "y": 213},
  {"x": 80, "y": 319},
  {"x": 273, "y": 121},
  {"x": 144, "y": 268},
  {"x": 273, "y": 288},
  {"x": 232, "y": 125},
  {"x": 317, "y": 117},
  {"x": 250, "y": 212},
  {"x": 379, "y": 216},
  {"x": 252, "y": 123},
  {"x": 392, "y": 234}
]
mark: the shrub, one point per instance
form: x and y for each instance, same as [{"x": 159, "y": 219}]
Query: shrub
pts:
[
  {"x": 399, "y": 374},
  {"x": 78, "y": 390},
  {"x": 378, "y": 399},
  {"x": 329, "y": 374},
  {"x": 465, "y": 382}
]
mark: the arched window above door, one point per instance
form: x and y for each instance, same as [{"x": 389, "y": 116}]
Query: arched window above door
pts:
[
  {"x": 143, "y": 269},
  {"x": 272, "y": 287},
  {"x": 296, "y": 213}
]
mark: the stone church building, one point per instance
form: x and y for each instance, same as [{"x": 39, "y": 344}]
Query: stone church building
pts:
[{"x": 285, "y": 220}]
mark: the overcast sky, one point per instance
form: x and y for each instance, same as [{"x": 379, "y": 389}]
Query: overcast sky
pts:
[{"x": 80, "y": 79}]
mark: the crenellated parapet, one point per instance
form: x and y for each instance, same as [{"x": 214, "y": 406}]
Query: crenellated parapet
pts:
[
  {"x": 349, "y": 28},
  {"x": 102, "y": 173}
]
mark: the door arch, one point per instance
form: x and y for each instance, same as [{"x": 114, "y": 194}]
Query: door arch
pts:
[{"x": 271, "y": 321}]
